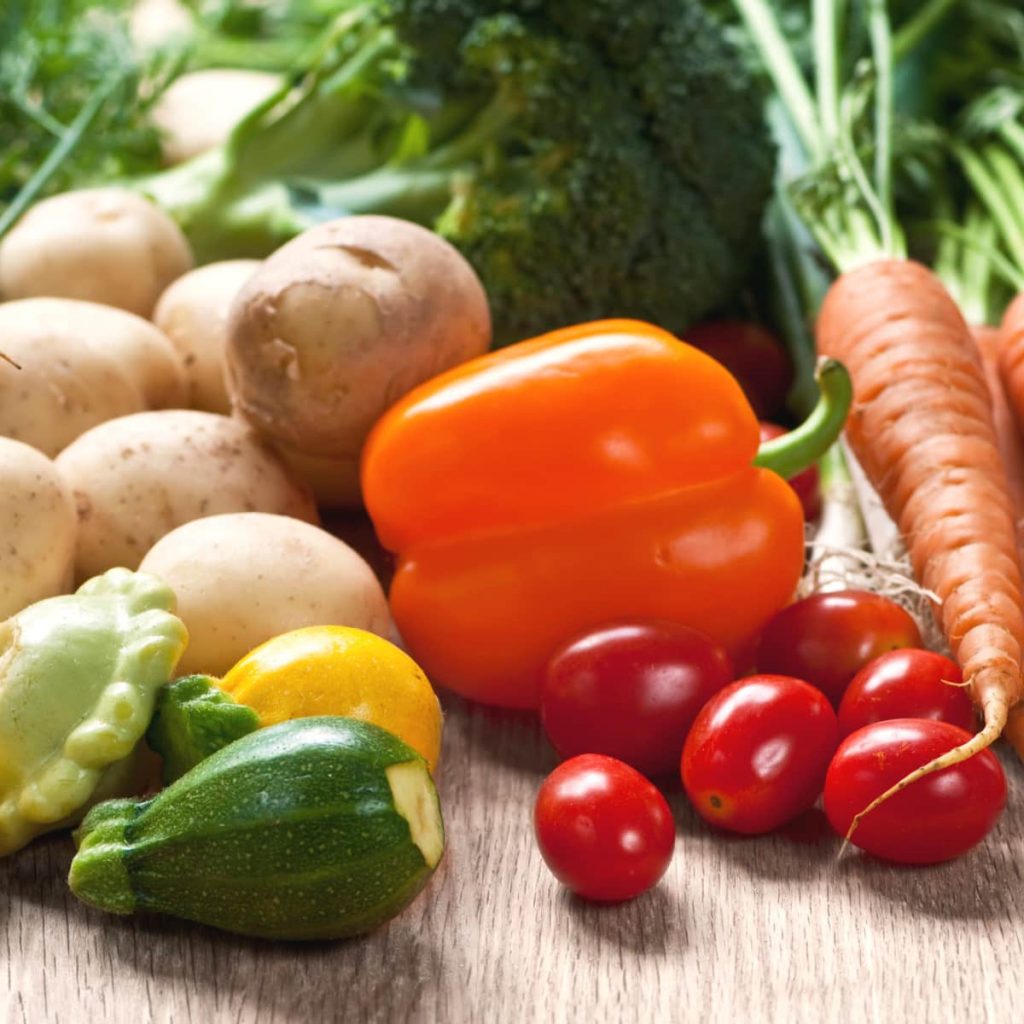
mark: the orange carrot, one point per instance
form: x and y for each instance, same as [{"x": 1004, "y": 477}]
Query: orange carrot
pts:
[
  {"x": 1011, "y": 371},
  {"x": 1011, "y": 356},
  {"x": 921, "y": 426},
  {"x": 1008, "y": 432}
]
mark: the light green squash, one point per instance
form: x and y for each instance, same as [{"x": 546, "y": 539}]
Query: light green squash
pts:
[{"x": 78, "y": 682}]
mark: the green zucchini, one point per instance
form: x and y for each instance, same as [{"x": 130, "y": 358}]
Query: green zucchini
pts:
[{"x": 312, "y": 829}]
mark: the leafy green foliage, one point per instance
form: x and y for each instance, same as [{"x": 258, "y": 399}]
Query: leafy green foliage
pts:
[{"x": 57, "y": 57}]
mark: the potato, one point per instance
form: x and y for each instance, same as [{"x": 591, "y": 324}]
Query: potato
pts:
[
  {"x": 193, "y": 313},
  {"x": 48, "y": 396},
  {"x": 37, "y": 528},
  {"x": 80, "y": 364},
  {"x": 157, "y": 23},
  {"x": 242, "y": 579},
  {"x": 335, "y": 482},
  {"x": 136, "y": 478},
  {"x": 142, "y": 351},
  {"x": 341, "y": 322},
  {"x": 106, "y": 245},
  {"x": 199, "y": 109}
]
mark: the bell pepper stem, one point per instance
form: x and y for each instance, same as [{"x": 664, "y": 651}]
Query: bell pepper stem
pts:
[{"x": 795, "y": 451}]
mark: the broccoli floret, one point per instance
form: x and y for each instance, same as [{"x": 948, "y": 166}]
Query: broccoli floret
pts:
[{"x": 589, "y": 158}]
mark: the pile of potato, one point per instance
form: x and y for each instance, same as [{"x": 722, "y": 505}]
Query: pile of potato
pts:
[{"x": 193, "y": 421}]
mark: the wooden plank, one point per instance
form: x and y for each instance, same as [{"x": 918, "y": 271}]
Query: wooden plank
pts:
[{"x": 769, "y": 929}]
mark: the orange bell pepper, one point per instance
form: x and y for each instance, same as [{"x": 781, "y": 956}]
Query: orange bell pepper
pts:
[{"x": 600, "y": 472}]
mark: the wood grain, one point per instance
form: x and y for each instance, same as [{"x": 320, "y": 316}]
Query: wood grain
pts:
[{"x": 770, "y": 929}]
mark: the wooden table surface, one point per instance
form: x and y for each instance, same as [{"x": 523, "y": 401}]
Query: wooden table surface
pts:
[{"x": 769, "y": 929}]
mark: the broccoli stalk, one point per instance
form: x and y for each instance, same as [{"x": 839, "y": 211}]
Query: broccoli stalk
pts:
[
  {"x": 236, "y": 200},
  {"x": 588, "y": 161}
]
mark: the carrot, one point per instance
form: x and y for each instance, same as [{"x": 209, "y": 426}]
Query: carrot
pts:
[
  {"x": 968, "y": 271},
  {"x": 1010, "y": 356},
  {"x": 921, "y": 426},
  {"x": 1008, "y": 429}
]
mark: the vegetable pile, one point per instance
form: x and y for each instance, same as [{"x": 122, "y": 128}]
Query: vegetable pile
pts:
[
  {"x": 776, "y": 564},
  {"x": 587, "y": 161}
]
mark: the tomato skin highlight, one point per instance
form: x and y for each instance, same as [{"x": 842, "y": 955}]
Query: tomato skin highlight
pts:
[
  {"x": 907, "y": 683},
  {"x": 806, "y": 483},
  {"x": 826, "y": 639},
  {"x": 934, "y": 819},
  {"x": 604, "y": 830},
  {"x": 757, "y": 754},
  {"x": 631, "y": 690}
]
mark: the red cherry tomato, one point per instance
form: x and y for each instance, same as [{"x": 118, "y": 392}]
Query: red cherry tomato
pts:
[
  {"x": 806, "y": 483},
  {"x": 934, "y": 819},
  {"x": 827, "y": 639},
  {"x": 631, "y": 690},
  {"x": 756, "y": 756},
  {"x": 602, "y": 828},
  {"x": 752, "y": 355},
  {"x": 907, "y": 683}
]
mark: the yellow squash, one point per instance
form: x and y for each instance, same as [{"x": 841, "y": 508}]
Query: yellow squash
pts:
[{"x": 339, "y": 670}]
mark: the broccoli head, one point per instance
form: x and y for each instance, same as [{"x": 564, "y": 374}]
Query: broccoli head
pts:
[{"x": 589, "y": 158}]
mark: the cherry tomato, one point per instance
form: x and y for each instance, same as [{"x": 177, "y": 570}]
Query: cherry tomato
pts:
[
  {"x": 603, "y": 829},
  {"x": 631, "y": 690},
  {"x": 934, "y": 819},
  {"x": 806, "y": 483},
  {"x": 752, "y": 355},
  {"x": 826, "y": 639},
  {"x": 907, "y": 683},
  {"x": 756, "y": 756}
]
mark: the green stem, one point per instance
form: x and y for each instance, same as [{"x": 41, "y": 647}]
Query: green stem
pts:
[
  {"x": 1013, "y": 134},
  {"x": 418, "y": 196},
  {"x": 965, "y": 264},
  {"x": 795, "y": 451},
  {"x": 999, "y": 204},
  {"x": 72, "y": 136},
  {"x": 45, "y": 121},
  {"x": 977, "y": 305},
  {"x": 1003, "y": 267},
  {"x": 826, "y": 24},
  {"x": 1010, "y": 183},
  {"x": 418, "y": 189},
  {"x": 915, "y": 30},
  {"x": 799, "y": 286},
  {"x": 881, "y": 52},
  {"x": 784, "y": 70}
]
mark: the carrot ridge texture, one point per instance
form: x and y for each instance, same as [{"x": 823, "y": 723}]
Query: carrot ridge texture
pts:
[
  {"x": 1011, "y": 356},
  {"x": 1011, "y": 370},
  {"x": 921, "y": 426},
  {"x": 1008, "y": 432}
]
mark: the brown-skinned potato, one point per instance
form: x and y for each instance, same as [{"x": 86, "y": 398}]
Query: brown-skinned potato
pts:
[
  {"x": 106, "y": 245},
  {"x": 136, "y": 478},
  {"x": 241, "y": 579},
  {"x": 338, "y": 325},
  {"x": 193, "y": 313},
  {"x": 37, "y": 527},
  {"x": 72, "y": 365}
]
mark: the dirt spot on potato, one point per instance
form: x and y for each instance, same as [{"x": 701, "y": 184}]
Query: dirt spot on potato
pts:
[{"x": 83, "y": 506}]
